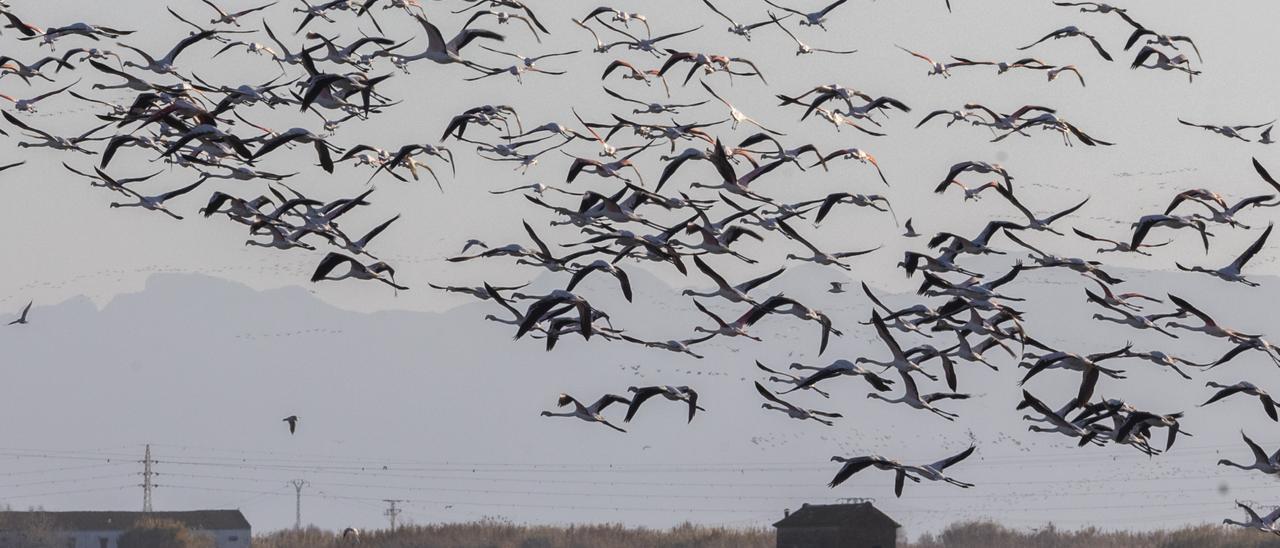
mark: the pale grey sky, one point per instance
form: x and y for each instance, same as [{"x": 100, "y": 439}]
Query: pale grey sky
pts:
[{"x": 415, "y": 377}]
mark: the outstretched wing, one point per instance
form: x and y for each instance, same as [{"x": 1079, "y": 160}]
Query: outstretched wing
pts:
[
  {"x": 1258, "y": 453},
  {"x": 769, "y": 396},
  {"x": 1253, "y": 249},
  {"x": 330, "y": 261},
  {"x": 20, "y": 124},
  {"x": 944, "y": 463},
  {"x": 607, "y": 400},
  {"x": 641, "y": 396},
  {"x": 851, "y": 467},
  {"x": 1266, "y": 176}
]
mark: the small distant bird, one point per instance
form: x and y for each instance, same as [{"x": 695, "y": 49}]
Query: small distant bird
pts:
[
  {"x": 22, "y": 319},
  {"x": 836, "y": 287},
  {"x": 293, "y": 423},
  {"x": 911, "y": 231},
  {"x": 351, "y": 532},
  {"x": 474, "y": 242}
]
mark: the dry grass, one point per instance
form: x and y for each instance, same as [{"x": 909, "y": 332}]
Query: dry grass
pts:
[
  {"x": 500, "y": 534},
  {"x": 992, "y": 535}
]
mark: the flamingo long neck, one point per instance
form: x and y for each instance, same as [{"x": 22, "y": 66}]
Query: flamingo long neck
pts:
[
  {"x": 879, "y": 397},
  {"x": 1240, "y": 466}
]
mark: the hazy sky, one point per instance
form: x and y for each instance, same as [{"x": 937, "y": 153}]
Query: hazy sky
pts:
[{"x": 413, "y": 381}]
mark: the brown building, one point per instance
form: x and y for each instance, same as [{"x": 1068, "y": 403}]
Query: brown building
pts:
[{"x": 858, "y": 525}]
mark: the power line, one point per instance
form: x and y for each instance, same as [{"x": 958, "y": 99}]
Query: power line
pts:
[
  {"x": 983, "y": 460},
  {"x": 62, "y": 469},
  {"x": 738, "y": 496},
  {"x": 67, "y": 480},
  {"x": 477, "y": 475},
  {"x": 80, "y": 456},
  {"x": 476, "y": 504},
  {"x": 735, "y": 510},
  {"x": 296, "y": 460},
  {"x": 69, "y": 492},
  {"x": 472, "y": 475},
  {"x": 1184, "y": 451}
]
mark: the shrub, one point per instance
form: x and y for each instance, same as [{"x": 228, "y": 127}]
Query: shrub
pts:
[{"x": 159, "y": 533}]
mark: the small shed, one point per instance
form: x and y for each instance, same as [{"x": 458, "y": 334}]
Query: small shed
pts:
[{"x": 857, "y": 525}]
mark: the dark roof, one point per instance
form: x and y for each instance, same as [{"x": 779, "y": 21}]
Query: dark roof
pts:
[
  {"x": 862, "y": 514},
  {"x": 119, "y": 521}
]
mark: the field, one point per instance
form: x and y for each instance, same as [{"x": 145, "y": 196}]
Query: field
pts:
[
  {"x": 991, "y": 535},
  {"x": 495, "y": 534}
]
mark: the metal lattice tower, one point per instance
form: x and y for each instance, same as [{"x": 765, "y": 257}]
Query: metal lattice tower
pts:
[
  {"x": 146, "y": 480},
  {"x": 297, "y": 509},
  {"x": 392, "y": 512}
]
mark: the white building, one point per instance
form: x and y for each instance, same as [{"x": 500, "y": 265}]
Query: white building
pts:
[{"x": 228, "y": 528}]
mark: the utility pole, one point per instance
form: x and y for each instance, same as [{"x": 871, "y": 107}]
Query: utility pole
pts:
[
  {"x": 392, "y": 511},
  {"x": 298, "y": 484},
  {"x": 146, "y": 480}
]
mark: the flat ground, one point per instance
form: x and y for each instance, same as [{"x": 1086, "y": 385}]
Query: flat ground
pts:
[{"x": 496, "y": 534}]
